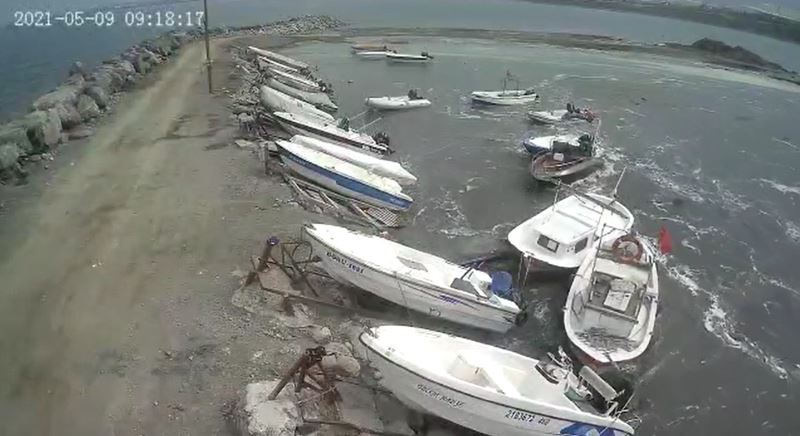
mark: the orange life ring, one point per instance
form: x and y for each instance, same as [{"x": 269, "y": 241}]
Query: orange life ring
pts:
[{"x": 621, "y": 252}]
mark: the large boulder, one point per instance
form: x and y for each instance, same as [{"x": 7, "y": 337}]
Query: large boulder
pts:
[
  {"x": 141, "y": 65},
  {"x": 77, "y": 68},
  {"x": 9, "y": 168},
  {"x": 106, "y": 78},
  {"x": 63, "y": 95},
  {"x": 77, "y": 81},
  {"x": 16, "y": 132},
  {"x": 87, "y": 108},
  {"x": 70, "y": 117},
  {"x": 99, "y": 95},
  {"x": 44, "y": 129},
  {"x": 256, "y": 415}
]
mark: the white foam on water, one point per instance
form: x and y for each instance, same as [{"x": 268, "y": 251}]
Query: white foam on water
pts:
[
  {"x": 787, "y": 143},
  {"x": 780, "y": 187},
  {"x": 792, "y": 231},
  {"x": 633, "y": 112}
]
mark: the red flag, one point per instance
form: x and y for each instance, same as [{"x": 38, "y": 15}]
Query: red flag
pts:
[{"x": 664, "y": 240}]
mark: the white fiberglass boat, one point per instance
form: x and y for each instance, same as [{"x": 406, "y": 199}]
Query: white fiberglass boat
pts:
[
  {"x": 372, "y": 55},
  {"x": 491, "y": 390},
  {"x": 299, "y": 124},
  {"x": 508, "y": 97},
  {"x": 610, "y": 312},
  {"x": 565, "y": 233},
  {"x": 319, "y": 99},
  {"x": 424, "y": 57},
  {"x": 381, "y": 167},
  {"x": 411, "y": 278},
  {"x": 545, "y": 144},
  {"x": 275, "y": 100},
  {"x": 267, "y": 64},
  {"x": 343, "y": 177},
  {"x": 557, "y": 116},
  {"x": 277, "y": 57},
  {"x": 396, "y": 103},
  {"x": 296, "y": 81},
  {"x": 359, "y": 48}
]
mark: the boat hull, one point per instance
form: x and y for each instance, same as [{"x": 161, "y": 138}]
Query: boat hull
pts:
[
  {"x": 342, "y": 184},
  {"x": 494, "y": 98},
  {"x": 567, "y": 173},
  {"x": 494, "y": 419},
  {"x": 300, "y": 129},
  {"x": 320, "y": 100},
  {"x": 427, "y": 300},
  {"x": 383, "y": 103},
  {"x": 407, "y": 59}
]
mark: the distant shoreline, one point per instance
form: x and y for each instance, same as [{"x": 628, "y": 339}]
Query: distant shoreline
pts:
[{"x": 752, "y": 21}]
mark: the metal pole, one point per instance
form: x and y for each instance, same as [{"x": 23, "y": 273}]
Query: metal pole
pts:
[{"x": 208, "y": 46}]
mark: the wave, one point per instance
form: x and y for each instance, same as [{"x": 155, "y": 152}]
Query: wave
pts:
[{"x": 780, "y": 187}]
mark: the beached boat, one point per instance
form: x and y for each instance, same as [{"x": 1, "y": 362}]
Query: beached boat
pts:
[
  {"x": 343, "y": 177},
  {"x": 558, "y": 116},
  {"x": 410, "y": 101},
  {"x": 424, "y": 57},
  {"x": 508, "y": 97},
  {"x": 610, "y": 312},
  {"x": 381, "y": 167},
  {"x": 277, "y": 101},
  {"x": 296, "y": 81},
  {"x": 372, "y": 55},
  {"x": 277, "y": 57},
  {"x": 491, "y": 390},
  {"x": 265, "y": 64},
  {"x": 320, "y": 100},
  {"x": 562, "y": 235},
  {"x": 411, "y": 278},
  {"x": 330, "y": 131}
]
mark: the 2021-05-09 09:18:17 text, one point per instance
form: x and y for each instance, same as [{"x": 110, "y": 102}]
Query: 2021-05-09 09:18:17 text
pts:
[{"x": 45, "y": 19}]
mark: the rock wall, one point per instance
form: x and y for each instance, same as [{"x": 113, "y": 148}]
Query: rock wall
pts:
[{"x": 86, "y": 95}]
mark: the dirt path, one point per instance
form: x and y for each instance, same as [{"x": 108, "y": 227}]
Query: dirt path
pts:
[{"x": 114, "y": 309}]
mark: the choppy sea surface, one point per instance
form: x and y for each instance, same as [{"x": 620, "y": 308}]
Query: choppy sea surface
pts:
[{"x": 711, "y": 154}]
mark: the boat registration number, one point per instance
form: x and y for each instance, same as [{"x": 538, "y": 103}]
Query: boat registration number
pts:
[
  {"x": 346, "y": 263},
  {"x": 436, "y": 395},
  {"x": 518, "y": 415}
]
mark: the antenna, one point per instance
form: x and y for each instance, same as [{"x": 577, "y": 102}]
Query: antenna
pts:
[{"x": 616, "y": 187}]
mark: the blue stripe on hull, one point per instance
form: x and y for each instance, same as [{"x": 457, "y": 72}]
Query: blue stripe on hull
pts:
[{"x": 383, "y": 197}]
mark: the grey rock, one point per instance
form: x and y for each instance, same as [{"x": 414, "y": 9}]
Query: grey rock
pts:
[
  {"x": 77, "y": 68},
  {"x": 44, "y": 129},
  {"x": 87, "y": 108},
  {"x": 35, "y": 158},
  {"x": 69, "y": 115},
  {"x": 16, "y": 132},
  {"x": 125, "y": 66},
  {"x": 141, "y": 65},
  {"x": 77, "y": 81},
  {"x": 348, "y": 365},
  {"x": 321, "y": 335},
  {"x": 80, "y": 133},
  {"x": 63, "y": 95},
  {"x": 9, "y": 153},
  {"x": 99, "y": 95},
  {"x": 107, "y": 79},
  {"x": 256, "y": 415}
]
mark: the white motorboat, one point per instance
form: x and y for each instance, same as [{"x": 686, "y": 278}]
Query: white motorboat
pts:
[
  {"x": 277, "y": 101},
  {"x": 558, "y": 116},
  {"x": 329, "y": 131},
  {"x": 277, "y": 57},
  {"x": 424, "y": 57},
  {"x": 566, "y": 232},
  {"x": 491, "y": 390},
  {"x": 397, "y": 103},
  {"x": 296, "y": 81},
  {"x": 372, "y": 55},
  {"x": 610, "y": 312},
  {"x": 319, "y": 99},
  {"x": 381, "y": 167},
  {"x": 544, "y": 144},
  {"x": 343, "y": 177},
  {"x": 267, "y": 64},
  {"x": 411, "y": 278},
  {"x": 508, "y": 97}
]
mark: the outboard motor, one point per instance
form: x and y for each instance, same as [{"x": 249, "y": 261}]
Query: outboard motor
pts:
[{"x": 381, "y": 138}]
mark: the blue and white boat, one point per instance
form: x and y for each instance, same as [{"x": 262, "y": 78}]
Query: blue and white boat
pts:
[{"x": 343, "y": 177}]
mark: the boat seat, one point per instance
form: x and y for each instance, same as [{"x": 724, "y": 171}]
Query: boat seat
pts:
[{"x": 480, "y": 371}]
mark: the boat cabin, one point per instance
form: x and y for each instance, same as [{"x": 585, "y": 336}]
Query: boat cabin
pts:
[{"x": 617, "y": 291}]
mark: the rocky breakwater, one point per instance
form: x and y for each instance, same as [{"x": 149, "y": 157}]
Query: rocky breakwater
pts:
[{"x": 68, "y": 111}]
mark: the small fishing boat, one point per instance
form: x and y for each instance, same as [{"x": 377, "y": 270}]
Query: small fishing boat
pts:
[
  {"x": 297, "y": 124},
  {"x": 562, "y": 235},
  {"x": 410, "y": 101},
  {"x": 563, "y": 115},
  {"x": 277, "y": 57},
  {"x": 343, "y": 177},
  {"x": 411, "y": 278},
  {"x": 372, "y": 55},
  {"x": 320, "y": 100},
  {"x": 381, "y": 167},
  {"x": 545, "y": 144},
  {"x": 360, "y": 48},
  {"x": 267, "y": 64},
  {"x": 550, "y": 167},
  {"x": 611, "y": 308},
  {"x": 506, "y": 97},
  {"x": 296, "y": 81},
  {"x": 424, "y": 57},
  {"x": 491, "y": 390},
  {"x": 277, "y": 101}
]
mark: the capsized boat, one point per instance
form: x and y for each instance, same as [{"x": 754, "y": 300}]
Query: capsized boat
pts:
[
  {"x": 562, "y": 235},
  {"x": 423, "y": 57},
  {"x": 320, "y": 100},
  {"x": 299, "y": 124},
  {"x": 381, "y": 167},
  {"x": 410, "y": 101},
  {"x": 411, "y": 278},
  {"x": 296, "y": 81},
  {"x": 277, "y": 57},
  {"x": 277, "y": 101},
  {"x": 491, "y": 390},
  {"x": 610, "y": 313},
  {"x": 507, "y": 97},
  {"x": 558, "y": 116},
  {"x": 343, "y": 177}
]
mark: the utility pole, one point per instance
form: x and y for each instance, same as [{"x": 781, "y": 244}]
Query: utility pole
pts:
[{"x": 208, "y": 46}]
